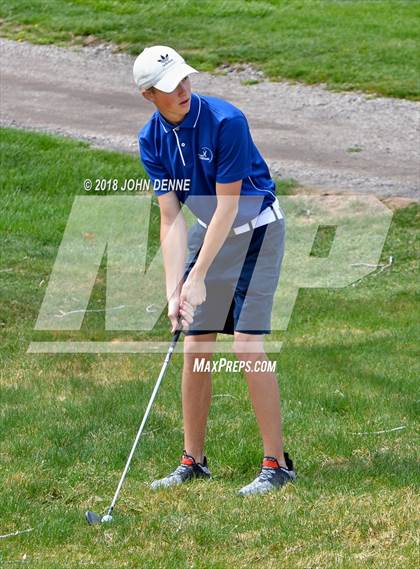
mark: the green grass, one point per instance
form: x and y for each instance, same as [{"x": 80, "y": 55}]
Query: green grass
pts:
[
  {"x": 369, "y": 45},
  {"x": 67, "y": 421}
]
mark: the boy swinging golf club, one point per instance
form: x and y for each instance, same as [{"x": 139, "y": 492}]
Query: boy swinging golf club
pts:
[{"x": 228, "y": 281}]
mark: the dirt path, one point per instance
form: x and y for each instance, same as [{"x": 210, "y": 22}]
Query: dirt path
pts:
[{"x": 341, "y": 142}]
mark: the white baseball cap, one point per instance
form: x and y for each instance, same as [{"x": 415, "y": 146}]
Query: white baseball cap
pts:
[{"x": 161, "y": 67}]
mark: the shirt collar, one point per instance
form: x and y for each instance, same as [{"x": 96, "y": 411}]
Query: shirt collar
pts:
[{"x": 191, "y": 118}]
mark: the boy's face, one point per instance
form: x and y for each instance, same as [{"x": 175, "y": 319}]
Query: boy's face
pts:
[{"x": 175, "y": 105}]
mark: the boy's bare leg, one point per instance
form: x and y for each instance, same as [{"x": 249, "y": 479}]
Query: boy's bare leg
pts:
[
  {"x": 264, "y": 393},
  {"x": 196, "y": 394}
]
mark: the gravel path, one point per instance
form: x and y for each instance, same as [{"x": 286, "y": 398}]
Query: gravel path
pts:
[{"x": 329, "y": 141}]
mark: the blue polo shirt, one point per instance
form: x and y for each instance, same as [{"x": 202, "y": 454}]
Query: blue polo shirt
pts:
[{"x": 212, "y": 144}]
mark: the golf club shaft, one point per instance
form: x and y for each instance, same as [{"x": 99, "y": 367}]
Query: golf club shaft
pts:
[{"x": 146, "y": 414}]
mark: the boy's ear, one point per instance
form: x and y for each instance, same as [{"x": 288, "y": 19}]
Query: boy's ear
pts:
[{"x": 148, "y": 95}]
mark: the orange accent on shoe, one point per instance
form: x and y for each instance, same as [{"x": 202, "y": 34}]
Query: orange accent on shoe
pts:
[
  {"x": 270, "y": 463},
  {"x": 187, "y": 460}
]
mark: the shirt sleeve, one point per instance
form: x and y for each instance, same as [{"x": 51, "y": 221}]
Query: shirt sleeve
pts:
[
  {"x": 234, "y": 158},
  {"x": 154, "y": 168}
]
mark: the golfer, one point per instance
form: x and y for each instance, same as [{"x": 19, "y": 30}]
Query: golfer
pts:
[{"x": 221, "y": 276}]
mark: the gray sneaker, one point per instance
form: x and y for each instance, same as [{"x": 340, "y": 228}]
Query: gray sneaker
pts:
[
  {"x": 271, "y": 477},
  {"x": 186, "y": 471}
]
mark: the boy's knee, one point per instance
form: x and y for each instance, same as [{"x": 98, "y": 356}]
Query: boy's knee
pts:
[{"x": 248, "y": 346}]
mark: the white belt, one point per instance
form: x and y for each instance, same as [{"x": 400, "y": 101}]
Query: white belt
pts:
[{"x": 268, "y": 215}]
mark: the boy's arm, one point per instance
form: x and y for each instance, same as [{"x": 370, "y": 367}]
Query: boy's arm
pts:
[
  {"x": 194, "y": 290},
  {"x": 173, "y": 237},
  {"x": 234, "y": 151}
]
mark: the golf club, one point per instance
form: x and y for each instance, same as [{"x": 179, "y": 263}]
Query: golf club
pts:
[{"x": 93, "y": 518}]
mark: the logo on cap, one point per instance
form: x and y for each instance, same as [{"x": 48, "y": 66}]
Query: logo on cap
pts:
[{"x": 164, "y": 60}]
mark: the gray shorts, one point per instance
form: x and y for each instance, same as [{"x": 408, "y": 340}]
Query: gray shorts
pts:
[{"x": 241, "y": 281}]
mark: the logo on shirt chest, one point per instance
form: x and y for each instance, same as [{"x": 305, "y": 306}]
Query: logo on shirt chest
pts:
[{"x": 205, "y": 154}]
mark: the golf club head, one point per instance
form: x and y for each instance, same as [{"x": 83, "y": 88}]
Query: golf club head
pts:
[{"x": 92, "y": 518}]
